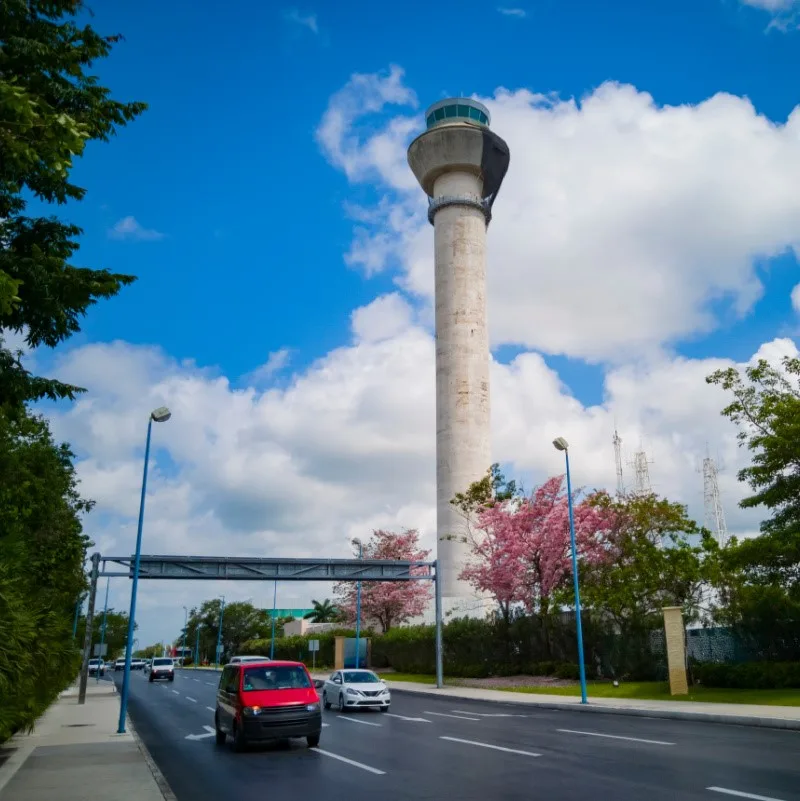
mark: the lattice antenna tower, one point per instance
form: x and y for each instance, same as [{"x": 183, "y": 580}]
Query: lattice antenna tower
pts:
[
  {"x": 641, "y": 473},
  {"x": 715, "y": 514},
  {"x": 617, "y": 440}
]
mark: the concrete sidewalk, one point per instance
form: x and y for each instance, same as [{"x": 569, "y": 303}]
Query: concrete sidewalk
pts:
[
  {"x": 74, "y": 753},
  {"x": 774, "y": 717}
]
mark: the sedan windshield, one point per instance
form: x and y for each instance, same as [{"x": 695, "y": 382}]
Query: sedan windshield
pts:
[
  {"x": 360, "y": 677},
  {"x": 275, "y": 678}
]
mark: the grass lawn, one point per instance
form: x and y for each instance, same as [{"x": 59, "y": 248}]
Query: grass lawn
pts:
[{"x": 641, "y": 690}]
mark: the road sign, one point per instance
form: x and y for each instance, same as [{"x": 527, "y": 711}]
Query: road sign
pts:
[
  {"x": 100, "y": 650},
  {"x": 313, "y": 645}
]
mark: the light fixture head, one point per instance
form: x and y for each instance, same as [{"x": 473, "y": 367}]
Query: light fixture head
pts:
[
  {"x": 561, "y": 444},
  {"x": 161, "y": 414}
]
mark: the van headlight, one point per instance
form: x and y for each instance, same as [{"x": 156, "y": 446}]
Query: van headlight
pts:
[{"x": 312, "y": 707}]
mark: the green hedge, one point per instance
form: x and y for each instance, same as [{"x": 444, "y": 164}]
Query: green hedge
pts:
[
  {"x": 296, "y": 648},
  {"x": 748, "y": 675}
]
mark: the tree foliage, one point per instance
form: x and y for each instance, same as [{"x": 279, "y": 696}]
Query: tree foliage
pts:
[
  {"x": 241, "y": 621},
  {"x": 388, "y": 603},
  {"x": 116, "y": 634},
  {"x": 761, "y": 584},
  {"x": 50, "y": 108},
  {"x": 521, "y": 552},
  {"x": 323, "y": 612}
]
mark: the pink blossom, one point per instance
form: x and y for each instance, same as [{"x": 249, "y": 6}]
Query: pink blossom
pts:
[{"x": 388, "y": 602}]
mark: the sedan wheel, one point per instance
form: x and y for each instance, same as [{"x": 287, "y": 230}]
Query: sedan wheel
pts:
[
  {"x": 325, "y": 702},
  {"x": 342, "y": 707}
]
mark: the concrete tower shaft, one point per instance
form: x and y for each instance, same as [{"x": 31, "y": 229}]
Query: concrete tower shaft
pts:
[{"x": 460, "y": 165}]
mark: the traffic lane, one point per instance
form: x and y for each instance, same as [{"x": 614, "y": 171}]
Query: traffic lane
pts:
[
  {"x": 362, "y": 736},
  {"x": 751, "y": 756},
  {"x": 198, "y": 769}
]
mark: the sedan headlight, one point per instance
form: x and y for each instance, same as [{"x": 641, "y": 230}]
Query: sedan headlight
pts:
[{"x": 351, "y": 691}]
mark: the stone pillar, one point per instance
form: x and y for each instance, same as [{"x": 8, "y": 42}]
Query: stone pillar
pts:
[{"x": 676, "y": 650}]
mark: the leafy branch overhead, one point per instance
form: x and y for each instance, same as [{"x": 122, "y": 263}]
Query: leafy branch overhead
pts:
[{"x": 51, "y": 106}]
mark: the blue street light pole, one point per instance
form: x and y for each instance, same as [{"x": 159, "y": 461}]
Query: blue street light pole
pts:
[
  {"x": 219, "y": 632},
  {"x": 274, "y": 610},
  {"x": 78, "y": 605},
  {"x": 185, "y": 626},
  {"x": 360, "y": 545},
  {"x": 160, "y": 415},
  {"x": 103, "y": 627},
  {"x": 562, "y": 445},
  {"x": 197, "y": 645}
]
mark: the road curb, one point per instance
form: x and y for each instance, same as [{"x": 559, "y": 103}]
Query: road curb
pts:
[
  {"x": 163, "y": 784},
  {"x": 666, "y": 714}
]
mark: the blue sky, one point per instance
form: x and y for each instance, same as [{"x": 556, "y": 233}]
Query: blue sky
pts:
[
  {"x": 646, "y": 234},
  {"x": 225, "y": 165}
]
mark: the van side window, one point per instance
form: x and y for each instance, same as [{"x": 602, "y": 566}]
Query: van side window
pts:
[{"x": 232, "y": 684}]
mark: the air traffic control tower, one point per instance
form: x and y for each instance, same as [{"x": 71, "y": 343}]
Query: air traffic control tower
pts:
[{"x": 460, "y": 164}]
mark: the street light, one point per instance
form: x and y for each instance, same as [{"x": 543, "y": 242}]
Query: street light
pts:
[
  {"x": 197, "y": 646},
  {"x": 103, "y": 628},
  {"x": 356, "y": 542},
  {"x": 160, "y": 415},
  {"x": 561, "y": 444},
  {"x": 219, "y": 632},
  {"x": 185, "y": 626}
]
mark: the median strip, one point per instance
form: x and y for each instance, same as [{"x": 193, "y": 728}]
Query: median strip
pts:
[
  {"x": 614, "y": 737},
  {"x": 493, "y": 747},
  {"x": 350, "y": 762}
]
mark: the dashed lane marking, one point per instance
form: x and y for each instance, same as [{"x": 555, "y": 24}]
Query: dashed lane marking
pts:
[
  {"x": 350, "y": 762},
  {"x": 445, "y": 715},
  {"x": 740, "y": 794},
  {"x": 211, "y": 709},
  {"x": 176, "y": 692},
  {"x": 614, "y": 737},
  {"x": 356, "y": 720},
  {"x": 189, "y": 698},
  {"x": 494, "y": 747}
]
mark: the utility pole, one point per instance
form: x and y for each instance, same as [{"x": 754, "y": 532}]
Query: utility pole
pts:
[
  {"x": 103, "y": 626},
  {"x": 87, "y": 637}
]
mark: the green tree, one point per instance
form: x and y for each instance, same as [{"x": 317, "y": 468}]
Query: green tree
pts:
[
  {"x": 323, "y": 612},
  {"x": 761, "y": 576},
  {"x": 116, "y": 631},
  {"x": 241, "y": 622},
  {"x": 493, "y": 488},
  {"x": 50, "y": 108}
]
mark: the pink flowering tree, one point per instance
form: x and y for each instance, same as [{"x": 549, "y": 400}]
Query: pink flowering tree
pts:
[
  {"x": 387, "y": 602},
  {"x": 521, "y": 545}
]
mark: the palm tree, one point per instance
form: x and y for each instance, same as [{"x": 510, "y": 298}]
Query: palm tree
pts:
[{"x": 324, "y": 612}]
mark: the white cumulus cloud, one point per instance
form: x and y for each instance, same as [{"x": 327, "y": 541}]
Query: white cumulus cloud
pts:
[{"x": 130, "y": 228}]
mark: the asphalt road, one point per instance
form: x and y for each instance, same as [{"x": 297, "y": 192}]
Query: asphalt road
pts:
[{"x": 434, "y": 748}]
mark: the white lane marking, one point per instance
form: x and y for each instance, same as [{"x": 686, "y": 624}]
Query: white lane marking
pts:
[
  {"x": 325, "y": 725},
  {"x": 193, "y": 700},
  {"x": 176, "y": 692},
  {"x": 403, "y": 717},
  {"x": 740, "y": 794},
  {"x": 350, "y": 762},
  {"x": 614, "y": 737},
  {"x": 211, "y": 709},
  {"x": 197, "y": 680},
  {"x": 488, "y": 745},
  {"x": 488, "y": 715},
  {"x": 209, "y": 733},
  {"x": 443, "y": 715},
  {"x": 356, "y": 720},
  {"x": 210, "y": 684}
]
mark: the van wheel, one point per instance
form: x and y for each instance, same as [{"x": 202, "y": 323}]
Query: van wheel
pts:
[
  {"x": 325, "y": 702},
  {"x": 219, "y": 734},
  {"x": 312, "y": 740},
  {"x": 239, "y": 742}
]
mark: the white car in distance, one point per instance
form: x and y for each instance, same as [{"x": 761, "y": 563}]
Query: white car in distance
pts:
[
  {"x": 356, "y": 689},
  {"x": 243, "y": 660}
]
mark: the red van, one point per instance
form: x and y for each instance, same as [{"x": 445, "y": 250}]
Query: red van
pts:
[{"x": 258, "y": 701}]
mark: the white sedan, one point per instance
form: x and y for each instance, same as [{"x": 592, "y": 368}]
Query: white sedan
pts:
[{"x": 356, "y": 689}]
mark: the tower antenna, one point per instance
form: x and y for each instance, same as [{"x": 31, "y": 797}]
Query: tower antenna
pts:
[
  {"x": 714, "y": 513},
  {"x": 617, "y": 440}
]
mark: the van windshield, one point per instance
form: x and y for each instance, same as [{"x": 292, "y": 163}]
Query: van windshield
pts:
[{"x": 287, "y": 677}]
